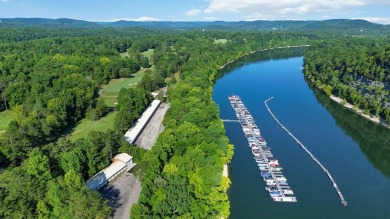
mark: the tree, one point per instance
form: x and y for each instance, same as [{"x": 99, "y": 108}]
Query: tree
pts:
[
  {"x": 146, "y": 82},
  {"x": 3, "y": 95}
]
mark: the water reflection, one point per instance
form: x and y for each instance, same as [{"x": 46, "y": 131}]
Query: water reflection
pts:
[
  {"x": 373, "y": 139},
  {"x": 276, "y": 54}
]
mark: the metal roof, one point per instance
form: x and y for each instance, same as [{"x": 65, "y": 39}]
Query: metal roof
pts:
[
  {"x": 105, "y": 175},
  {"x": 132, "y": 134}
]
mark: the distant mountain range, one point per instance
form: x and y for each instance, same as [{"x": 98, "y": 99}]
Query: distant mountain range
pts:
[
  {"x": 343, "y": 25},
  {"x": 45, "y": 22}
]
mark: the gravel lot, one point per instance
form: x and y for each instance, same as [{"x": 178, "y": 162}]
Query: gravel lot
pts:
[
  {"x": 122, "y": 193},
  {"x": 154, "y": 127}
]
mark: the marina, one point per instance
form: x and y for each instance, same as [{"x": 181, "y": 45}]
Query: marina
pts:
[
  {"x": 270, "y": 170},
  {"x": 342, "y": 199},
  {"x": 354, "y": 150}
]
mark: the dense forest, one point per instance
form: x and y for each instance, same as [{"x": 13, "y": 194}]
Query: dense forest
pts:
[
  {"x": 340, "y": 27},
  {"x": 52, "y": 83},
  {"x": 356, "y": 70},
  {"x": 50, "y": 76},
  {"x": 183, "y": 171}
]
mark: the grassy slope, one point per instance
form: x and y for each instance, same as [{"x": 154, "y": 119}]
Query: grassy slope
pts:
[
  {"x": 111, "y": 90},
  {"x": 5, "y": 119},
  {"x": 124, "y": 54},
  {"x": 109, "y": 93},
  {"x": 222, "y": 41},
  {"x": 83, "y": 128},
  {"x": 148, "y": 53}
]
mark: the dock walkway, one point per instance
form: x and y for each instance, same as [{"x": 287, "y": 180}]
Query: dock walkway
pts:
[
  {"x": 229, "y": 120},
  {"x": 267, "y": 164},
  {"x": 343, "y": 201}
]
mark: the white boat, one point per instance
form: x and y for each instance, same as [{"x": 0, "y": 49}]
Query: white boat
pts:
[
  {"x": 285, "y": 199},
  {"x": 287, "y": 191}
]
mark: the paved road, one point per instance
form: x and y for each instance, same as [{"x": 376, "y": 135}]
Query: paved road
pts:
[
  {"x": 154, "y": 127},
  {"x": 122, "y": 193}
]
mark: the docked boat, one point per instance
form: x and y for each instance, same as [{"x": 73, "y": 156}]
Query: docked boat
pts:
[
  {"x": 275, "y": 193},
  {"x": 269, "y": 167},
  {"x": 266, "y": 174},
  {"x": 287, "y": 191},
  {"x": 285, "y": 199}
]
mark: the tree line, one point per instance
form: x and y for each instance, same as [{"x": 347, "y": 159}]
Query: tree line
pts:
[
  {"x": 356, "y": 70},
  {"x": 182, "y": 174},
  {"x": 52, "y": 83}
]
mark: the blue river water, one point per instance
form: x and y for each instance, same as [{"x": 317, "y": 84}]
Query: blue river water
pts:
[{"x": 354, "y": 150}]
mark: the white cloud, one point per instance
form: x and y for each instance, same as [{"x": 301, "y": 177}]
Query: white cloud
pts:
[
  {"x": 283, "y": 9},
  {"x": 211, "y": 18},
  {"x": 193, "y": 12},
  {"x": 379, "y": 20},
  {"x": 4, "y": 0},
  {"x": 134, "y": 19},
  {"x": 146, "y": 19}
]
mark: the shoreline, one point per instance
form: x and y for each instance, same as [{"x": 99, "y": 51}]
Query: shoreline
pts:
[
  {"x": 338, "y": 100},
  {"x": 262, "y": 50},
  {"x": 225, "y": 172},
  {"x": 360, "y": 112}
]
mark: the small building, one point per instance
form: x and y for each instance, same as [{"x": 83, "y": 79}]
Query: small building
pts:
[
  {"x": 154, "y": 94},
  {"x": 121, "y": 163},
  {"x": 132, "y": 134}
]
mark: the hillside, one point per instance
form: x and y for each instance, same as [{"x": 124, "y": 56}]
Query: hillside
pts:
[
  {"x": 343, "y": 26},
  {"x": 355, "y": 70},
  {"x": 47, "y": 23}
]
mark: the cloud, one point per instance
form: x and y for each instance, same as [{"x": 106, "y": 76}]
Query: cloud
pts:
[
  {"x": 146, "y": 19},
  {"x": 4, "y": 0},
  {"x": 282, "y": 9},
  {"x": 211, "y": 18},
  {"x": 379, "y": 20},
  {"x": 193, "y": 12},
  {"x": 134, "y": 19}
]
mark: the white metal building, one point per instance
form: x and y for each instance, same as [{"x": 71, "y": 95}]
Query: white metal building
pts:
[
  {"x": 132, "y": 134},
  {"x": 121, "y": 162}
]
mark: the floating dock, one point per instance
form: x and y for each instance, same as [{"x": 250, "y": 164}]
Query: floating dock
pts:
[
  {"x": 269, "y": 167},
  {"x": 343, "y": 201}
]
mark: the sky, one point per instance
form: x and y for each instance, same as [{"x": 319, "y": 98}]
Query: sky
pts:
[{"x": 377, "y": 11}]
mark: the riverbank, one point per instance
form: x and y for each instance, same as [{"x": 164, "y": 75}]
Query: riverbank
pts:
[
  {"x": 225, "y": 171},
  {"x": 372, "y": 118},
  {"x": 261, "y": 50},
  {"x": 323, "y": 134}
]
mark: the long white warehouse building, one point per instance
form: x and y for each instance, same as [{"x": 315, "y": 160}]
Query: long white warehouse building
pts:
[{"x": 132, "y": 134}]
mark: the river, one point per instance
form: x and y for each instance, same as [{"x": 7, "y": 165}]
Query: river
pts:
[{"x": 354, "y": 150}]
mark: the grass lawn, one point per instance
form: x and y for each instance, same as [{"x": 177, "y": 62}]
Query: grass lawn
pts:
[
  {"x": 85, "y": 126},
  {"x": 110, "y": 91},
  {"x": 148, "y": 53},
  {"x": 5, "y": 118},
  {"x": 222, "y": 41},
  {"x": 124, "y": 54}
]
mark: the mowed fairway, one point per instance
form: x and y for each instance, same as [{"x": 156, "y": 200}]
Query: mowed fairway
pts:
[
  {"x": 221, "y": 41},
  {"x": 85, "y": 126},
  {"x": 111, "y": 90},
  {"x": 148, "y": 54},
  {"x": 5, "y": 118},
  {"x": 109, "y": 93}
]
